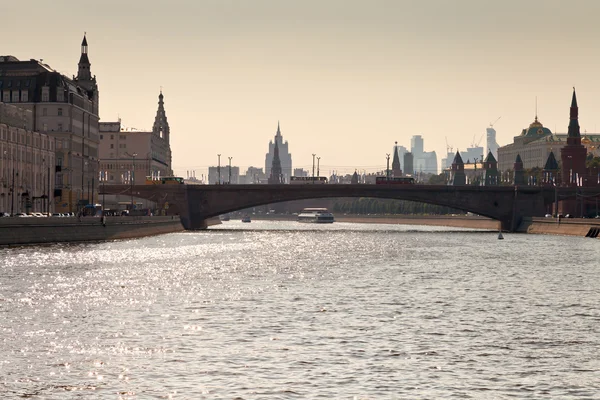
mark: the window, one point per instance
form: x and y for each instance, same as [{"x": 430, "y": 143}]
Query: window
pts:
[
  {"x": 45, "y": 94},
  {"x": 25, "y": 96},
  {"x": 45, "y": 128},
  {"x": 60, "y": 95},
  {"x": 122, "y": 137},
  {"x": 112, "y": 137},
  {"x": 60, "y": 111},
  {"x": 101, "y": 137},
  {"x": 15, "y": 96},
  {"x": 6, "y": 97},
  {"x": 112, "y": 146}
]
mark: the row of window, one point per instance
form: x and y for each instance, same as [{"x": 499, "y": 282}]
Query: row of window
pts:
[
  {"x": 9, "y": 83},
  {"x": 22, "y": 96},
  {"x": 22, "y": 138},
  {"x": 112, "y": 137}
]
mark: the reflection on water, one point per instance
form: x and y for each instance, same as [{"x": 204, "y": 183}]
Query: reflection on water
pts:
[{"x": 288, "y": 310}]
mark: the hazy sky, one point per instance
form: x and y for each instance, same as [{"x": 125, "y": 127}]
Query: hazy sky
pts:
[{"x": 346, "y": 78}]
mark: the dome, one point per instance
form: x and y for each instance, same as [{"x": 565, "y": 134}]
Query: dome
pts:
[{"x": 536, "y": 129}]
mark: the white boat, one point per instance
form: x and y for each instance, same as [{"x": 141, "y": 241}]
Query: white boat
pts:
[{"x": 316, "y": 215}]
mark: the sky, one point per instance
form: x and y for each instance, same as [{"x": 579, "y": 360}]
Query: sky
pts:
[{"x": 346, "y": 79}]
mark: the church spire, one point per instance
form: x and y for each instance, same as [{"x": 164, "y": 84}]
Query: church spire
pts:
[
  {"x": 161, "y": 125},
  {"x": 84, "y": 73},
  {"x": 396, "y": 170}
]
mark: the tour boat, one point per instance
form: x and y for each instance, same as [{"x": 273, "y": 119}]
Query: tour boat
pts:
[
  {"x": 246, "y": 219},
  {"x": 316, "y": 215}
]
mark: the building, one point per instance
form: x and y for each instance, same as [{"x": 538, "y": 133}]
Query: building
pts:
[
  {"x": 284, "y": 156},
  {"x": 27, "y": 163},
  {"x": 65, "y": 109},
  {"x": 300, "y": 172},
  {"x": 396, "y": 168},
  {"x": 128, "y": 156},
  {"x": 220, "y": 174},
  {"x": 253, "y": 175},
  {"x": 534, "y": 145},
  {"x": 276, "y": 175},
  {"x": 423, "y": 161},
  {"x": 491, "y": 143},
  {"x": 409, "y": 164}
]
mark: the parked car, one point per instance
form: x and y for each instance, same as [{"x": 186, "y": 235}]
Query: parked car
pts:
[
  {"x": 568, "y": 216},
  {"x": 22, "y": 215},
  {"x": 3, "y": 214},
  {"x": 548, "y": 215}
]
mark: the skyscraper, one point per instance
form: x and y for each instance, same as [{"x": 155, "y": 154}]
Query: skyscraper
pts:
[{"x": 284, "y": 156}]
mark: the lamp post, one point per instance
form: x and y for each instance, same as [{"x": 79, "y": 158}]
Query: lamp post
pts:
[
  {"x": 132, "y": 178},
  {"x": 229, "y": 181},
  {"x": 313, "y": 174},
  {"x": 318, "y": 161},
  {"x": 387, "y": 171},
  {"x": 219, "y": 169}
]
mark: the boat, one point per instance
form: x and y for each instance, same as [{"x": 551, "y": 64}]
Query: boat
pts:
[
  {"x": 316, "y": 215},
  {"x": 246, "y": 219}
]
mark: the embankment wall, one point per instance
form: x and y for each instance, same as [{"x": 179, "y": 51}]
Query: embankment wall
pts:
[
  {"x": 551, "y": 226},
  {"x": 24, "y": 231}
]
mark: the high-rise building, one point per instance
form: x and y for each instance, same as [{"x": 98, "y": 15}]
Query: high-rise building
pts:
[
  {"x": 416, "y": 146},
  {"x": 284, "y": 156},
  {"x": 66, "y": 109},
  {"x": 491, "y": 143},
  {"x": 276, "y": 175},
  {"x": 409, "y": 164}
]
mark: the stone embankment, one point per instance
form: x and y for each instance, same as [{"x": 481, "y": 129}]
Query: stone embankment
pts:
[
  {"x": 551, "y": 226},
  {"x": 24, "y": 231}
]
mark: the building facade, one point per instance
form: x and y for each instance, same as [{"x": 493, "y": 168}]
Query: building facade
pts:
[
  {"x": 129, "y": 156},
  {"x": 27, "y": 163},
  {"x": 66, "y": 109}
]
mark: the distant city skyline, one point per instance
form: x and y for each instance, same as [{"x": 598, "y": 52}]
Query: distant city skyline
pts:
[{"x": 347, "y": 79}]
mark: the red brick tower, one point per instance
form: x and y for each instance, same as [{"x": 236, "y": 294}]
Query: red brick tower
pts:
[{"x": 573, "y": 154}]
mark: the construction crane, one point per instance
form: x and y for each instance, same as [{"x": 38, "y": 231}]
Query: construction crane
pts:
[
  {"x": 493, "y": 123},
  {"x": 448, "y": 148}
]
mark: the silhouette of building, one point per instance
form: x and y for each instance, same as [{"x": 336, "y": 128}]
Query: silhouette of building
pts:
[
  {"x": 573, "y": 154},
  {"x": 396, "y": 170},
  {"x": 491, "y": 177},
  {"x": 458, "y": 177},
  {"x": 491, "y": 143},
  {"x": 519, "y": 172},
  {"x": 550, "y": 172},
  {"x": 409, "y": 164},
  {"x": 285, "y": 156},
  {"x": 276, "y": 175}
]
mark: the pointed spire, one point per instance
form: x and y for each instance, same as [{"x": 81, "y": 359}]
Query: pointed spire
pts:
[
  {"x": 551, "y": 163},
  {"x": 84, "y": 41},
  {"x": 161, "y": 125},
  {"x": 490, "y": 158},
  {"x": 519, "y": 160},
  {"x": 574, "y": 132},
  {"x": 457, "y": 159},
  {"x": 83, "y": 72}
]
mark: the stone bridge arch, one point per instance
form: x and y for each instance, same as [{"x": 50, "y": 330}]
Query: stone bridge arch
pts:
[{"x": 197, "y": 203}]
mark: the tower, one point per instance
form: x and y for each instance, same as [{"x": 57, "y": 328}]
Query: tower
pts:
[
  {"x": 396, "y": 171},
  {"x": 491, "y": 177},
  {"x": 275, "y": 176},
  {"x": 573, "y": 154},
  {"x": 409, "y": 164},
  {"x": 458, "y": 171},
  {"x": 83, "y": 72},
  {"x": 161, "y": 130},
  {"x": 519, "y": 177},
  {"x": 550, "y": 170}
]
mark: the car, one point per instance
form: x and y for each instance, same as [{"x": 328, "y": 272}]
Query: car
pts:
[
  {"x": 3, "y": 214},
  {"x": 56, "y": 215},
  {"x": 568, "y": 216},
  {"x": 548, "y": 215},
  {"x": 22, "y": 215}
]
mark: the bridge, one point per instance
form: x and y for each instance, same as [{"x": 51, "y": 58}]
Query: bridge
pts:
[{"x": 196, "y": 203}]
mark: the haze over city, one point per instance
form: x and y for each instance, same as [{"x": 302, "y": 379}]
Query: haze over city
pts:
[{"x": 346, "y": 79}]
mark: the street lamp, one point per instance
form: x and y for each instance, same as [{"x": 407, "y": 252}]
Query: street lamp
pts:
[
  {"x": 132, "y": 178},
  {"x": 318, "y": 159},
  {"x": 313, "y": 174},
  {"x": 229, "y": 181},
  {"x": 219, "y": 169},
  {"x": 387, "y": 171}
]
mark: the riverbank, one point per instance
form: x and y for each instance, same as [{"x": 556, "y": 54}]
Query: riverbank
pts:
[{"x": 543, "y": 226}]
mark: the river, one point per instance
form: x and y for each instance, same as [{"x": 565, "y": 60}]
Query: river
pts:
[{"x": 282, "y": 310}]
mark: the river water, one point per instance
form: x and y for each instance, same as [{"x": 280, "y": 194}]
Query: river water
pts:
[{"x": 281, "y": 310}]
